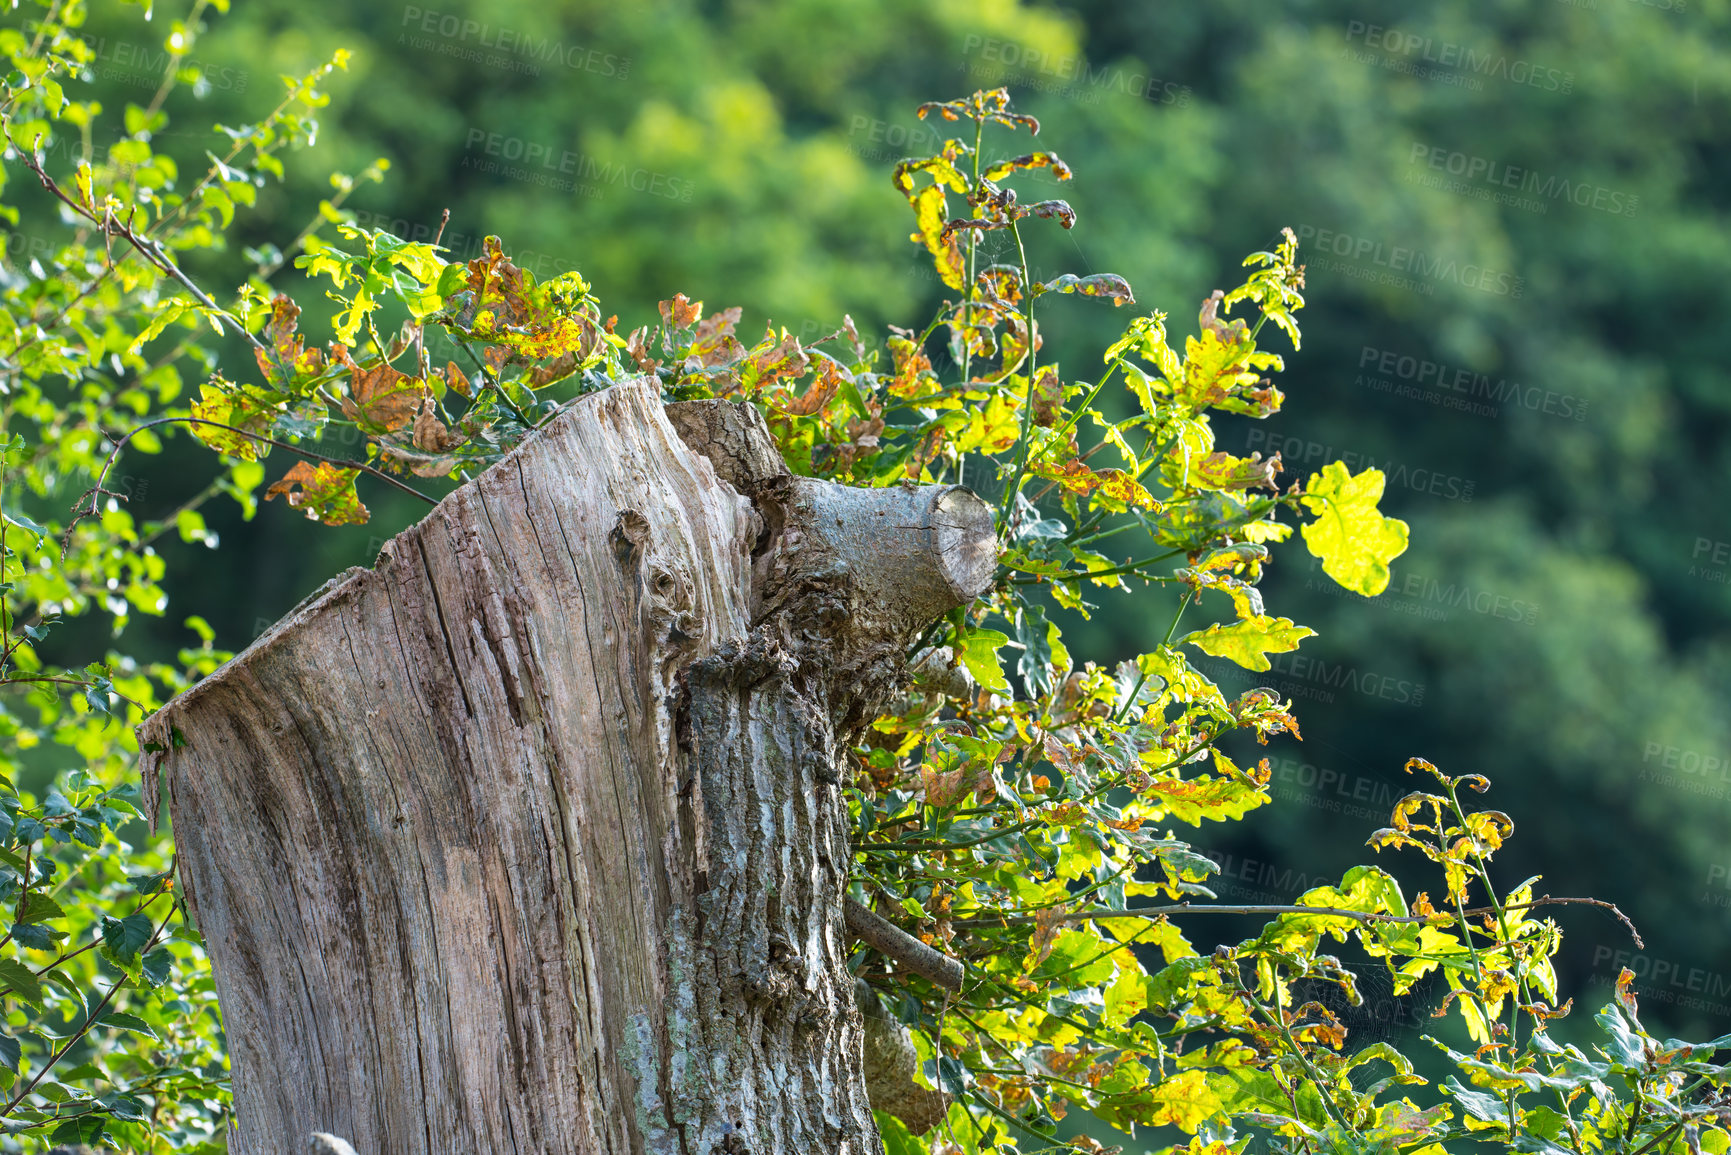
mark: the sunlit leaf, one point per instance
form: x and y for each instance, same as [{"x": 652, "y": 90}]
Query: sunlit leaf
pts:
[
  {"x": 1351, "y": 536},
  {"x": 323, "y": 491},
  {"x": 1249, "y": 640}
]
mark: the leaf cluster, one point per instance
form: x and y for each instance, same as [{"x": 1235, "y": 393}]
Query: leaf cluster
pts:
[{"x": 1021, "y": 808}]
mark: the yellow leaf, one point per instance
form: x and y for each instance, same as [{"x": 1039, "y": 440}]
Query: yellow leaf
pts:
[
  {"x": 1353, "y": 539},
  {"x": 1185, "y": 1101},
  {"x": 1247, "y": 641},
  {"x": 324, "y": 492}
]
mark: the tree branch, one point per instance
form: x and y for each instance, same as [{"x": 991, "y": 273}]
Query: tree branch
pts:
[
  {"x": 1332, "y": 911},
  {"x": 894, "y": 943}
]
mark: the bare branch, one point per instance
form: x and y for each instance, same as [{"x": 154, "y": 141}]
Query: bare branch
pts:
[
  {"x": 893, "y": 942},
  {"x": 1438, "y": 919}
]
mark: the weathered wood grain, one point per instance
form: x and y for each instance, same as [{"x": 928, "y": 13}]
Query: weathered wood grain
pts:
[{"x": 529, "y": 839}]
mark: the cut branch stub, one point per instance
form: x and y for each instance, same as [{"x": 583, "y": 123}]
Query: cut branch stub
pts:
[
  {"x": 531, "y": 836},
  {"x": 857, "y": 573}
]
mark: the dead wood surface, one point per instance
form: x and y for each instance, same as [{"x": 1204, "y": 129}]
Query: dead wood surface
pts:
[{"x": 530, "y": 838}]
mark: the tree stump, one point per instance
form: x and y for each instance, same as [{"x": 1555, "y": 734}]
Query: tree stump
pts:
[{"x": 531, "y": 837}]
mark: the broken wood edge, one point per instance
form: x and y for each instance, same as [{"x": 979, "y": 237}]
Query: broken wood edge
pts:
[
  {"x": 155, "y": 733},
  {"x": 904, "y": 949}
]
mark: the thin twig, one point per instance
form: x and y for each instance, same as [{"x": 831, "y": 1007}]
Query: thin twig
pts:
[
  {"x": 1360, "y": 915},
  {"x": 97, "y": 490},
  {"x": 152, "y": 251}
]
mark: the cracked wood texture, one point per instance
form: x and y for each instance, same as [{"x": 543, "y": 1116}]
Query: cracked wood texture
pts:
[{"x": 531, "y": 838}]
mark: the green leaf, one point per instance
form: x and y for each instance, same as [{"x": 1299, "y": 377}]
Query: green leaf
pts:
[
  {"x": 39, "y": 908},
  {"x": 1626, "y": 1049},
  {"x": 1109, "y": 285},
  {"x": 897, "y": 1139},
  {"x": 1127, "y": 997},
  {"x": 149, "y": 883},
  {"x": 10, "y": 1053},
  {"x": 123, "y": 938},
  {"x": 125, "y": 1022},
  {"x": 69, "y": 987},
  {"x": 156, "y": 967},
  {"x": 979, "y": 653},
  {"x": 452, "y": 278},
  {"x": 23, "y": 983},
  {"x": 124, "y": 1107},
  {"x": 26, "y": 524},
  {"x": 166, "y": 315},
  {"x": 1043, "y": 654},
  {"x": 1477, "y": 1103},
  {"x": 86, "y": 1129},
  {"x": 1245, "y": 642},
  {"x": 1353, "y": 539},
  {"x": 36, "y": 936}
]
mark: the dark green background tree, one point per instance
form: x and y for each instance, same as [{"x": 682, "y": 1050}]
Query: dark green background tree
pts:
[
  {"x": 1559, "y": 622},
  {"x": 1514, "y": 222}
]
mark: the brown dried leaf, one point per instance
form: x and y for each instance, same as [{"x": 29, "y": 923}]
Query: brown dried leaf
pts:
[
  {"x": 853, "y": 338},
  {"x": 774, "y": 358},
  {"x": 912, "y": 368},
  {"x": 431, "y": 434},
  {"x": 681, "y": 312},
  {"x": 637, "y": 347},
  {"x": 1047, "y": 924},
  {"x": 719, "y": 324},
  {"x": 829, "y": 379},
  {"x": 498, "y": 286},
  {"x": 716, "y": 350},
  {"x": 323, "y": 491},
  {"x": 1223, "y": 471},
  {"x": 1048, "y": 398},
  {"x": 557, "y": 369},
  {"x": 287, "y": 358},
  {"x": 383, "y": 398},
  {"x": 406, "y": 336},
  {"x": 401, "y": 459},
  {"x": 455, "y": 379}
]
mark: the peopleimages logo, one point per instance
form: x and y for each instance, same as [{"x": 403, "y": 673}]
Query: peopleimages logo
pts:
[
  {"x": 1401, "y": 259},
  {"x": 1460, "y": 594},
  {"x": 1425, "y": 375},
  {"x": 1718, "y": 890},
  {"x": 1265, "y": 877},
  {"x": 145, "y": 64},
  {"x": 22, "y": 248},
  {"x": 1429, "y": 598},
  {"x": 1478, "y": 170},
  {"x": 1688, "y": 761},
  {"x": 1666, "y": 975},
  {"x": 1710, "y": 560},
  {"x": 1463, "y": 60},
  {"x": 1354, "y": 795},
  {"x": 1314, "y": 678},
  {"x": 1689, "y": 771},
  {"x": 1049, "y": 72},
  {"x": 1396, "y": 474},
  {"x": 503, "y": 47},
  {"x": 539, "y": 163},
  {"x": 458, "y": 246}
]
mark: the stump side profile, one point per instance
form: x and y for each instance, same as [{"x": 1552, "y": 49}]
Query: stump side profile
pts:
[{"x": 531, "y": 837}]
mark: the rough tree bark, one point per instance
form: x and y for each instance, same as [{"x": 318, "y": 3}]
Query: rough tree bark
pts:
[{"x": 530, "y": 838}]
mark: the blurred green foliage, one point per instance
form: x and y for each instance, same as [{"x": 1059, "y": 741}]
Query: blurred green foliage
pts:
[
  {"x": 1203, "y": 129},
  {"x": 1527, "y": 197}
]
